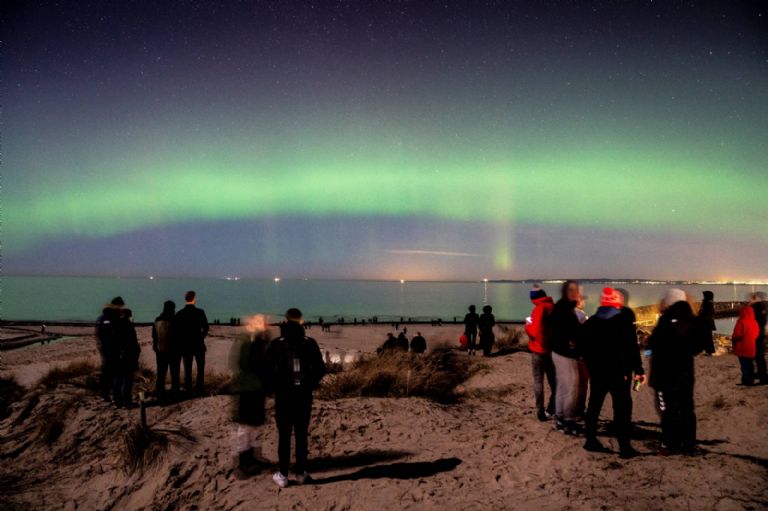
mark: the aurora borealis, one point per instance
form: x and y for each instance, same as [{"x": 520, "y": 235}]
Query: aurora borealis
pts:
[{"x": 386, "y": 139}]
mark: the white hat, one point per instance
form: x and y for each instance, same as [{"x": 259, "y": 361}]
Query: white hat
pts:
[{"x": 673, "y": 296}]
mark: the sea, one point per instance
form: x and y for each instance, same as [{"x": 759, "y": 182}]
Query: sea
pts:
[{"x": 26, "y": 298}]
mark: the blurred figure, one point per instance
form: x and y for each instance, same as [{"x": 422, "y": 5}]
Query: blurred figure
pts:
[
  {"x": 402, "y": 342},
  {"x": 192, "y": 328},
  {"x": 677, "y": 338},
  {"x": 470, "y": 329},
  {"x": 107, "y": 343},
  {"x": 247, "y": 360},
  {"x": 707, "y": 318},
  {"x": 760, "y": 306},
  {"x": 609, "y": 345},
  {"x": 166, "y": 351},
  {"x": 566, "y": 331},
  {"x": 389, "y": 345},
  {"x": 539, "y": 330},
  {"x": 418, "y": 344},
  {"x": 128, "y": 352},
  {"x": 744, "y": 341},
  {"x": 581, "y": 396},
  {"x": 485, "y": 324},
  {"x": 294, "y": 368}
]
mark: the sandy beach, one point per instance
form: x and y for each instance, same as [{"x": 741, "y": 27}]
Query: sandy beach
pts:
[{"x": 486, "y": 452}]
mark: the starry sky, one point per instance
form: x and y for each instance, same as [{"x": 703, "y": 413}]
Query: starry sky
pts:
[{"x": 417, "y": 140}]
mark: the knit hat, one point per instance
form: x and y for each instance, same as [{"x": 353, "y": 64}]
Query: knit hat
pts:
[
  {"x": 611, "y": 298},
  {"x": 674, "y": 295},
  {"x": 537, "y": 292}
]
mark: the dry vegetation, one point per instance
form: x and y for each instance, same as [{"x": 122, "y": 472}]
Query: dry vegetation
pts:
[
  {"x": 142, "y": 448},
  {"x": 511, "y": 338},
  {"x": 397, "y": 374},
  {"x": 80, "y": 370},
  {"x": 10, "y": 392}
]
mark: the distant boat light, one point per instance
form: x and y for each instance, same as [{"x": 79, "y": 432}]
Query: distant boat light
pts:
[
  {"x": 277, "y": 279},
  {"x": 402, "y": 281},
  {"x": 485, "y": 280}
]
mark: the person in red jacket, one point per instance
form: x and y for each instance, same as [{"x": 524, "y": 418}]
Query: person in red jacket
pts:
[
  {"x": 744, "y": 339},
  {"x": 538, "y": 330}
]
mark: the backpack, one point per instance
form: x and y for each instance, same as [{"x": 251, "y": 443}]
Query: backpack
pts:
[{"x": 299, "y": 365}]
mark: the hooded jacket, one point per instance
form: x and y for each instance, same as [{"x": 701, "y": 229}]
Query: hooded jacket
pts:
[
  {"x": 539, "y": 329},
  {"x": 566, "y": 329},
  {"x": 745, "y": 334},
  {"x": 677, "y": 338},
  {"x": 609, "y": 345},
  {"x": 279, "y": 367},
  {"x": 163, "y": 339}
]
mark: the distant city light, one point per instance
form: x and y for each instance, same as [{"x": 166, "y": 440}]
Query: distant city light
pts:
[
  {"x": 402, "y": 281},
  {"x": 277, "y": 279},
  {"x": 485, "y": 280}
]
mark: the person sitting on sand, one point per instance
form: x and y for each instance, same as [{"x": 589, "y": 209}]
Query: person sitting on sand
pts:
[
  {"x": 609, "y": 346},
  {"x": 418, "y": 344},
  {"x": 537, "y": 327},
  {"x": 165, "y": 346},
  {"x": 677, "y": 338},
  {"x": 192, "y": 328},
  {"x": 402, "y": 342},
  {"x": 760, "y": 306},
  {"x": 744, "y": 341},
  {"x": 470, "y": 329},
  {"x": 106, "y": 338},
  {"x": 485, "y": 324},
  {"x": 128, "y": 352},
  {"x": 293, "y": 370}
]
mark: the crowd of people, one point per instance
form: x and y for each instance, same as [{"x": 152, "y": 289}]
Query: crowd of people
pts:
[{"x": 581, "y": 358}]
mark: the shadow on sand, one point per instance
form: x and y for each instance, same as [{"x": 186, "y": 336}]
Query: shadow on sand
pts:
[
  {"x": 403, "y": 470},
  {"x": 359, "y": 459}
]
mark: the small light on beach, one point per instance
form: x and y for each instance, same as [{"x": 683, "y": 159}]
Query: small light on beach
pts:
[{"x": 277, "y": 279}]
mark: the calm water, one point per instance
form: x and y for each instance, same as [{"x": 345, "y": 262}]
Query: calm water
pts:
[{"x": 77, "y": 298}]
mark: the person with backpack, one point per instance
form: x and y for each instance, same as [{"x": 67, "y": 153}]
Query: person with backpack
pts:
[
  {"x": 418, "y": 344},
  {"x": 107, "y": 344},
  {"x": 293, "y": 370},
  {"x": 128, "y": 352},
  {"x": 677, "y": 338},
  {"x": 166, "y": 351},
  {"x": 485, "y": 324},
  {"x": 470, "y": 329},
  {"x": 192, "y": 328},
  {"x": 538, "y": 329},
  {"x": 610, "y": 349}
]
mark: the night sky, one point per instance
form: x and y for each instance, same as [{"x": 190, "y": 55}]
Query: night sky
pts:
[{"x": 417, "y": 140}]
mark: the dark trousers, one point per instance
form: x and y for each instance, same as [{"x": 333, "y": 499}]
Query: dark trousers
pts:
[
  {"x": 107, "y": 381},
  {"x": 619, "y": 388},
  {"x": 471, "y": 341},
  {"x": 292, "y": 414},
  {"x": 762, "y": 374},
  {"x": 542, "y": 366},
  {"x": 199, "y": 357},
  {"x": 122, "y": 389},
  {"x": 167, "y": 362},
  {"x": 678, "y": 419},
  {"x": 486, "y": 342},
  {"x": 747, "y": 370}
]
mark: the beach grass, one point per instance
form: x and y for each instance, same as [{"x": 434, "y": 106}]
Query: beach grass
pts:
[
  {"x": 10, "y": 392},
  {"x": 76, "y": 369},
  {"x": 142, "y": 448}
]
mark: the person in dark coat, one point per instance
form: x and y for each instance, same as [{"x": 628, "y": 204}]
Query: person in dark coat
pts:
[
  {"x": 389, "y": 345},
  {"x": 248, "y": 363},
  {"x": 760, "y": 306},
  {"x": 470, "y": 329},
  {"x": 677, "y": 338},
  {"x": 485, "y": 324},
  {"x": 707, "y": 318},
  {"x": 610, "y": 349},
  {"x": 402, "y": 342},
  {"x": 294, "y": 368},
  {"x": 128, "y": 351},
  {"x": 566, "y": 332},
  {"x": 164, "y": 344},
  {"x": 418, "y": 344},
  {"x": 107, "y": 343},
  {"x": 192, "y": 327}
]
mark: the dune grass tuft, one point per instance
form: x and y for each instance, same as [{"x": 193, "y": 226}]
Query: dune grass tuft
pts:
[
  {"x": 397, "y": 374},
  {"x": 511, "y": 339},
  {"x": 142, "y": 448},
  {"x": 67, "y": 373},
  {"x": 10, "y": 392}
]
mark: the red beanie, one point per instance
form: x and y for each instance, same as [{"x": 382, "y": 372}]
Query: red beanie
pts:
[{"x": 611, "y": 298}]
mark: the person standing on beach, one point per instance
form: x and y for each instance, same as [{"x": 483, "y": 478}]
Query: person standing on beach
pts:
[
  {"x": 566, "y": 331},
  {"x": 470, "y": 329},
  {"x": 485, "y": 324},
  {"x": 107, "y": 342},
  {"x": 538, "y": 329},
  {"x": 677, "y": 338},
  {"x": 294, "y": 368},
  {"x": 610, "y": 349},
  {"x": 166, "y": 351},
  {"x": 192, "y": 328},
  {"x": 418, "y": 344},
  {"x": 760, "y": 306},
  {"x": 744, "y": 341},
  {"x": 128, "y": 352},
  {"x": 707, "y": 318},
  {"x": 402, "y": 342},
  {"x": 581, "y": 396}
]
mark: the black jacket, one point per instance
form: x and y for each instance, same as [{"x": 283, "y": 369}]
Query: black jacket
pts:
[
  {"x": 707, "y": 314},
  {"x": 163, "y": 335},
  {"x": 761, "y": 315},
  {"x": 128, "y": 349},
  {"x": 609, "y": 345},
  {"x": 191, "y": 328},
  {"x": 677, "y": 338},
  {"x": 280, "y": 376},
  {"x": 418, "y": 344},
  {"x": 485, "y": 324},
  {"x": 106, "y": 333},
  {"x": 470, "y": 323},
  {"x": 566, "y": 329}
]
